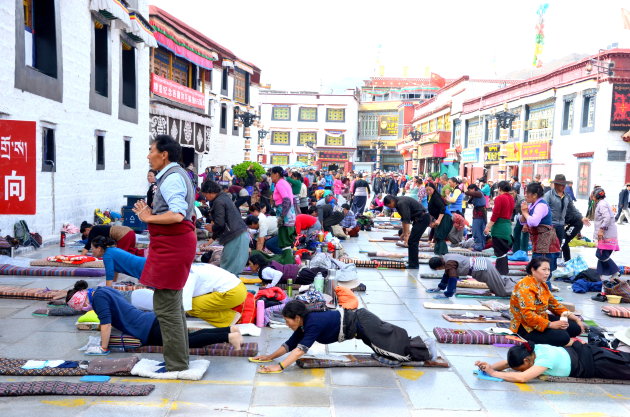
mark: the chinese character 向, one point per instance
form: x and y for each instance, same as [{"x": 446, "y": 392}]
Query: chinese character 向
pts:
[{"x": 14, "y": 186}]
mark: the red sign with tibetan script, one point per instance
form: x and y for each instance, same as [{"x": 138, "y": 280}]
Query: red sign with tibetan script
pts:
[
  {"x": 173, "y": 91},
  {"x": 18, "y": 176},
  {"x": 535, "y": 151}
]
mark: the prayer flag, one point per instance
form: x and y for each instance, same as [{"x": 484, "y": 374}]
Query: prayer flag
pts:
[{"x": 437, "y": 81}]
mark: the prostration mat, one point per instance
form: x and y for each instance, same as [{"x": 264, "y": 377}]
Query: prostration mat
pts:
[
  {"x": 359, "y": 361},
  {"x": 469, "y": 337},
  {"x": 43, "y": 294},
  {"x": 127, "y": 343},
  {"x": 46, "y": 262},
  {"x": 18, "y": 389},
  {"x": 568, "y": 379},
  {"x": 14, "y": 367},
  {"x": 448, "y": 306},
  {"x": 368, "y": 263},
  {"x": 478, "y": 318},
  {"x": 47, "y": 271}
]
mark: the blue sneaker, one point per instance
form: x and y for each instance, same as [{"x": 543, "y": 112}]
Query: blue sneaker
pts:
[{"x": 434, "y": 290}]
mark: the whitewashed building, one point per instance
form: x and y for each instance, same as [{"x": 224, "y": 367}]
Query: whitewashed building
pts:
[
  {"x": 197, "y": 89},
  {"x": 296, "y": 119},
  {"x": 82, "y": 81}
]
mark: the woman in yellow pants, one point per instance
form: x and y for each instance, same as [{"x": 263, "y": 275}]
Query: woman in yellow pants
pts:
[{"x": 211, "y": 293}]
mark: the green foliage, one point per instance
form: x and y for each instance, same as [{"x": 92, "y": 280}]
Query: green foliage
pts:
[
  {"x": 240, "y": 170},
  {"x": 435, "y": 174}
]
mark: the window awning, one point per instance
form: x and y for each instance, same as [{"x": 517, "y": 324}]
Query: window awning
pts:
[
  {"x": 112, "y": 9},
  {"x": 182, "y": 47},
  {"x": 244, "y": 67},
  {"x": 141, "y": 31}
]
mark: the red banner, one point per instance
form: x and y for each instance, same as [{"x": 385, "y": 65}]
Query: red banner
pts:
[
  {"x": 176, "y": 92},
  {"x": 18, "y": 177},
  {"x": 535, "y": 151}
]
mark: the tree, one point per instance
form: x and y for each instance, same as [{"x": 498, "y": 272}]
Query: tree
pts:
[{"x": 240, "y": 170}]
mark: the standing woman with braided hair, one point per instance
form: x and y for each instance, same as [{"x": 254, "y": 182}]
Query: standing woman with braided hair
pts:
[{"x": 605, "y": 232}]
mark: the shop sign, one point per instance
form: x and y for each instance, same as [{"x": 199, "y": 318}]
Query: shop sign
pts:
[
  {"x": 333, "y": 156},
  {"x": 188, "y": 134},
  {"x": 536, "y": 151},
  {"x": 388, "y": 125},
  {"x": 426, "y": 151},
  {"x": 18, "y": 176},
  {"x": 470, "y": 155},
  {"x": 430, "y": 138},
  {"x": 620, "y": 113},
  {"x": 491, "y": 154},
  {"x": 513, "y": 152},
  {"x": 174, "y": 91}
]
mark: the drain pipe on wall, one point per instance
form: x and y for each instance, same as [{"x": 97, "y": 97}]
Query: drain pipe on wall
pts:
[{"x": 54, "y": 168}]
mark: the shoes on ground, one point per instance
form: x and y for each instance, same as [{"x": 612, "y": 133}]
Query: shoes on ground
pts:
[
  {"x": 599, "y": 297},
  {"x": 441, "y": 297},
  {"x": 360, "y": 288},
  {"x": 434, "y": 290}
]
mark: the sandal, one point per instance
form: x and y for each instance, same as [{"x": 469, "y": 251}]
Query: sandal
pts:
[
  {"x": 261, "y": 371},
  {"x": 258, "y": 360}
]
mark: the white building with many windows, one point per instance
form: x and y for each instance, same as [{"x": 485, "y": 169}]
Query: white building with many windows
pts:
[
  {"x": 316, "y": 129},
  {"x": 82, "y": 82}
]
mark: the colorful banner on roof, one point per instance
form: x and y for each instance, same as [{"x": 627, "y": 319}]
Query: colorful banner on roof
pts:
[{"x": 141, "y": 30}]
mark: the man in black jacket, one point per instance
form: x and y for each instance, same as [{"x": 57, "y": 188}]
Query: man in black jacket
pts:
[
  {"x": 327, "y": 216},
  {"x": 622, "y": 208},
  {"x": 415, "y": 221}
]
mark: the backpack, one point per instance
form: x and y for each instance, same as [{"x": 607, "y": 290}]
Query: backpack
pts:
[{"x": 23, "y": 235}]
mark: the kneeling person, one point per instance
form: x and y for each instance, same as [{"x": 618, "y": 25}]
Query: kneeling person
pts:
[{"x": 479, "y": 268}]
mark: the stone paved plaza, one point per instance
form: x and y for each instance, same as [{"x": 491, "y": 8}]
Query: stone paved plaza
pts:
[{"x": 231, "y": 386}]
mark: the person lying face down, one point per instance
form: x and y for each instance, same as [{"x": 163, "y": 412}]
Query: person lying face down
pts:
[
  {"x": 113, "y": 310},
  {"x": 116, "y": 260},
  {"x": 529, "y": 361},
  {"x": 388, "y": 341},
  {"x": 480, "y": 268}
]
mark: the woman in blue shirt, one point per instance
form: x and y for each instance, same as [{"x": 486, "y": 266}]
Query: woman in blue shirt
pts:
[
  {"x": 116, "y": 260},
  {"x": 113, "y": 310},
  {"x": 389, "y": 342},
  {"x": 578, "y": 360}
]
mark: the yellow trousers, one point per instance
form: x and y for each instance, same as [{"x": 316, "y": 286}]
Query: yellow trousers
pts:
[{"x": 216, "y": 307}]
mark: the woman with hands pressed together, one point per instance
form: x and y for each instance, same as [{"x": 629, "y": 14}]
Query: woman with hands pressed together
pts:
[{"x": 443, "y": 221}]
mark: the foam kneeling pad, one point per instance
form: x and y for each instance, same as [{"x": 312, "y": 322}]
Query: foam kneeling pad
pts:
[
  {"x": 617, "y": 311},
  {"x": 17, "y": 389},
  {"x": 363, "y": 361}
]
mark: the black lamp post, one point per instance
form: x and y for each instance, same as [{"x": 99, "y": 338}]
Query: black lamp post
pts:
[
  {"x": 505, "y": 119},
  {"x": 262, "y": 134},
  {"x": 247, "y": 119},
  {"x": 378, "y": 145},
  {"x": 415, "y": 135}
]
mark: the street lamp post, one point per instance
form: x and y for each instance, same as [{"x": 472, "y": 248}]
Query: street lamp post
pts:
[
  {"x": 378, "y": 145},
  {"x": 416, "y": 135},
  {"x": 311, "y": 146},
  {"x": 504, "y": 120},
  {"x": 262, "y": 134},
  {"x": 247, "y": 119}
]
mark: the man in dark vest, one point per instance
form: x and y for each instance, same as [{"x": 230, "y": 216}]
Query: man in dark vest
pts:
[{"x": 172, "y": 248}]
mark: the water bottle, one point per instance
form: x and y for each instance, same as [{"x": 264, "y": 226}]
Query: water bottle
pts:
[
  {"x": 319, "y": 282},
  {"x": 290, "y": 287}
]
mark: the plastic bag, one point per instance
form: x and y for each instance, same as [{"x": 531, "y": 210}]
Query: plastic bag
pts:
[{"x": 93, "y": 341}]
